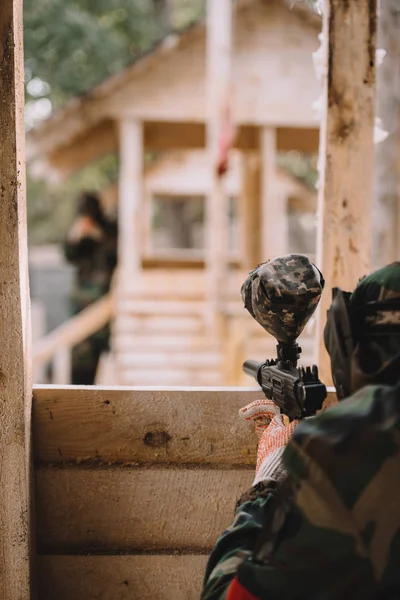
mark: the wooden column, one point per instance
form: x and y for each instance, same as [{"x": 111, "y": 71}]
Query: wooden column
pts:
[
  {"x": 347, "y": 150},
  {"x": 250, "y": 206},
  {"x": 219, "y": 48},
  {"x": 15, "y": 381},
  {"x": 386, "y": 208},
  {"x": 273, "y": 213},
  {"x": 130, "y": 200}
]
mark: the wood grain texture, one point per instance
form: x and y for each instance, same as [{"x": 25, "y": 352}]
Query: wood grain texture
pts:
[
  {"x": 116, "y": 425},
  {"x": 127, "y": 510},
  {"x": 15, "y": 382},
  {"x": 346, "y": 151},
  {"x": 121, "y": 577},
  {"x": 112, "y": 425}
]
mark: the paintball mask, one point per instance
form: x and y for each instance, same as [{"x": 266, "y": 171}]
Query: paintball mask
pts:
[{"x": 347, "y": 328}]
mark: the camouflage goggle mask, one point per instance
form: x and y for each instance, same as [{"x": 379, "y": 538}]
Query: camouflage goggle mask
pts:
[{"x": 345, "y": 329}]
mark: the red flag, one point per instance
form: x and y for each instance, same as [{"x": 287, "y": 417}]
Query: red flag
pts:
[{"x": 227, "y": 137}]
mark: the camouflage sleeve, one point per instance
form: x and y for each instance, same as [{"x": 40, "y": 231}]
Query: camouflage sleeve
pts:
[
  {"x": 319, "y": 542},
  {"x": 75, "y": 251},
  {"x": 235, "y": 544}
]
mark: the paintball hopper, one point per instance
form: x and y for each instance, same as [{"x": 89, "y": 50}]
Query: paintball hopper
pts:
[{"x": 282, "y": 294}]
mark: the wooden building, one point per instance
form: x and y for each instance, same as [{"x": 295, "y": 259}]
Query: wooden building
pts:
[
  {"x": 178, "y": 309},
  {"x": 121, "y": 493}
]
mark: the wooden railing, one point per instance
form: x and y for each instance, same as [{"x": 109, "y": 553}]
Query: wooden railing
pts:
[{"x": 57, "y": 345}]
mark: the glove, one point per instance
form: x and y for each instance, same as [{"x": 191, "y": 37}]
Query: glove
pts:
[
  {"x": 273, "y": 436},
  {"x": 82, "y": 227}
]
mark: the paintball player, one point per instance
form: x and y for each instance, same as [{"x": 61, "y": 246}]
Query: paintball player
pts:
[
  {"x": 91, "y": 247},
  {"x": 322, "y": 519}
]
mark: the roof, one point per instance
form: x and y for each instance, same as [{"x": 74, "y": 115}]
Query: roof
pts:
[{"x": 88, "y": 110}]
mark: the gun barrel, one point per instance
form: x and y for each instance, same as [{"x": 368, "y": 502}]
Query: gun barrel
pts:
[{"x": 251, "y": 367}]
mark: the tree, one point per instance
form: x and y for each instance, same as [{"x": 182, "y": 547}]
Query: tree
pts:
[
  {"x": 386, "y": 211},
  {"x": 70, "y": 46}
]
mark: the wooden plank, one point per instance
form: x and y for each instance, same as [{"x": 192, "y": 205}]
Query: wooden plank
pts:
[
  {"x": 183, "y": 343},
  {"x": 130, "y": 199},
  {"x": 151, "y": 577},
  {"x": 96, "y": 425},
  {"x": 168, "y": 307},
  {"x": 62, "y": 366},
  {"x": 218, "y": 91},
  {"x": 251, "y": 210},
  {"x": 172, "y": 377},
  {"x": 346, "y": 152},
  {"x": 171, "y": 358},
  {"x": 271, "y": 212},
  {"x": 88, "y": 424},
  {"x": 128, "y": 510},
  {"x": 154, "y": 324},
  {"x": 15, "y": 326},
  {"x": 181, "y": 283},
  {"x": 386, "y": 205}
]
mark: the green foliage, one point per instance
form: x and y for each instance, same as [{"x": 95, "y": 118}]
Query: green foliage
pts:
[
  {"x": 51, "y": 208},
  {"x": 70, "y": 46},
  {"x": 74, "y": 44}
]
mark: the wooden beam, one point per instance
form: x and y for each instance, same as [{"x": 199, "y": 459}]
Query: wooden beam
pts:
[
  {"x": 144, "y": 577},
  {"x": 271, "y": 212},
  {"x": 134, "y": 510},
  {"x": 95, "y": 143},
  {"x": 162, "y": 135},
  {"x": 15, "y": 388},
  {"x": 347, "y": 151},
  {"x": 130, "y": 199},
  {"x": 386, "y": 205},
  {"x": 199, "y": 425},
  {"x": 192, "y": 421},
  {"x": 218, "y": 61},
  {"x": 250, "y": 210}
]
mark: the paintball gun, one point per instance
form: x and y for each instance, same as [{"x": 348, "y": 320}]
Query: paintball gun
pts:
[{"x": 281, "y": 295}]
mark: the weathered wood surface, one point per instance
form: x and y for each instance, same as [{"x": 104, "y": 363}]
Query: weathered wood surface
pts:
[
  {"x": 129, "y": 510},
  {"x": 15, "y": 393},
  {"x": 93, "y": 425},
  {"x": 250, "y": 210},
  {"x": 151, "y": 577},
  {"x": 124, "y": 426},
  {"x": 130, "y": 199},
  {"x": 386, "y": 205},
  {"x": 218, "y": 93},
  {"x": 347, "y": 151}
]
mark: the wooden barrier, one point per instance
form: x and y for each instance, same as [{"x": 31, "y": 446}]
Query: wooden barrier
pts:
[
  {"x": 133, "y": 486},
  {"x": 15, "y": 389}
]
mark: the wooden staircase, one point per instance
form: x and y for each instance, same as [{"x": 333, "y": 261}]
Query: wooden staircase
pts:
[{"x": 160, "y": 334}]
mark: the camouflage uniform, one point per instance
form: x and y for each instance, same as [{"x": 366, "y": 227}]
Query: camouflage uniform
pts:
[
  {"x": 332, "y": 528},
  {"x": 95, "y": 261}
]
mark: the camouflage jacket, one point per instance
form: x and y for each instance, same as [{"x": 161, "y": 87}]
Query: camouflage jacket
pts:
[
  {"x": 95, "y": 262},
  {"x": 335, "y": 531}
]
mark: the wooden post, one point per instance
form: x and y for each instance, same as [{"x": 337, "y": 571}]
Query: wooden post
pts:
[
  {"x": 130, "y": 200},
  {"x": 219, "y": 47},
  {"x": 62, "y": 366},
  {"x": 250, "y": 209},
  {"x": 386, "y": 207},
  {"x": 347, "y": 150},
  {"x": 273, "y": 213},
  {"x": 15, "y": 381}
]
